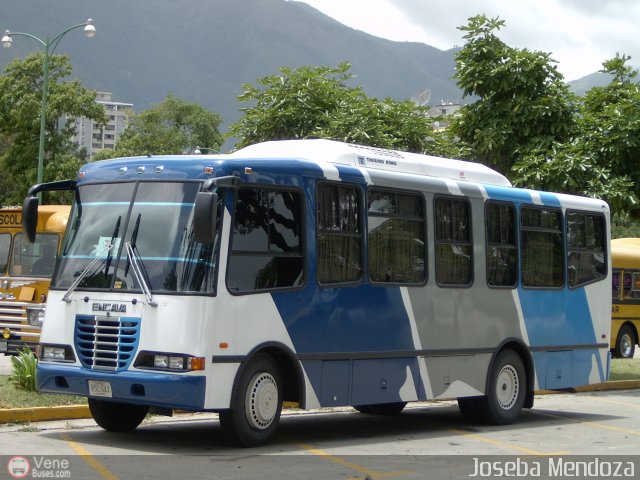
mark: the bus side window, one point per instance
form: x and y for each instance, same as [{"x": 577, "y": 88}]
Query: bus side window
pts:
[
  {"x": 635, "y": 285},
  {"x": 626, "y": 285},
  {"x": 615, "y": 285}
]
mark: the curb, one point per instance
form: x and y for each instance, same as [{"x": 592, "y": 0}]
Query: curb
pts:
[
  {"x": 72, "y": 412},
  {"x": 41, "y": 414}
]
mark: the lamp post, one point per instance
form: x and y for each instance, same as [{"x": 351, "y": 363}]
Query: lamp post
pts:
[{"x": 48, "y": 47}]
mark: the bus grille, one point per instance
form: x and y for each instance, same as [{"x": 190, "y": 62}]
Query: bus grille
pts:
[{"x": 106, "y": 343}]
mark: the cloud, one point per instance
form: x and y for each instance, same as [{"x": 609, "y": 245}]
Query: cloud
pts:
[{"x": 579, "y": 34}]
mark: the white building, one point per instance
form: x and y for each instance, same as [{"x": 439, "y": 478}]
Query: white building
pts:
[{"x": 95, "y": 137}]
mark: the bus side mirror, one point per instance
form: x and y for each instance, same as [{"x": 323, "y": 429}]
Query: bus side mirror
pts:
[
  {"x": 30, "y": 217},
  {"x": 204, "y": 217}
]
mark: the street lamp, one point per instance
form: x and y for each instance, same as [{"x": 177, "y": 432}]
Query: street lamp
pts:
[{"x": 48, "y": 48}]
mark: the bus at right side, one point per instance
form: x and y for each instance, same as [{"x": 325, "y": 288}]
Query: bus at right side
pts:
[{"x": 625, "y": 309}]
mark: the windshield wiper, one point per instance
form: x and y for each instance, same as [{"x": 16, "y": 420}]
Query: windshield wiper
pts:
[
  {"x": 139, "y": 273},
  {"x": 84, "y": 272}
]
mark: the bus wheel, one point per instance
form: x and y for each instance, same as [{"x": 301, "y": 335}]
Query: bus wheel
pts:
[
  {"x": 116, "y": 416},
  {"x": 625, "y": 343},
  {"x": 506, "y": 390},
  {"x": 256, "y": 406},
  {"x": 382, "y": 408}
]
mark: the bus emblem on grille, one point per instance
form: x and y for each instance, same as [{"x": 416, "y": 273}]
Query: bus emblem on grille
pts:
[{"x": 109, "y": 307}]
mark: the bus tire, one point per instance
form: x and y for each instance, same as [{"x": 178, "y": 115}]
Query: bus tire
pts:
[
  {"x": 506, "y": 390},
  {"x": 625, "y": 343},
  {"x": 382, "y": 408},
  {"x": 116, "y": 416},
  {"x": 256, "y": 404}
]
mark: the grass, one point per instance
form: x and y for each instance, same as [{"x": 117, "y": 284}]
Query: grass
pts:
[
  {"x": 11, "y": 397},
  {"x": 623, "y": 369}
]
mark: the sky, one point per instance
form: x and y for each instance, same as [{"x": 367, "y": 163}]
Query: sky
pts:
[{"x": 579, "y": 34}]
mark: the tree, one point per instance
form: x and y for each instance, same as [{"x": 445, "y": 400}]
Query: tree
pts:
[
  {"x": 317, "y": 102},
  {"x": 172, "y": 126},
  {"x": 523, "y": 102},
  {"x": 601, "y": 160},
  {"x": 20, "y": 101}
]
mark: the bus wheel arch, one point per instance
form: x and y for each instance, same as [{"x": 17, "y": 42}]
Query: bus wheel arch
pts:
[{"x": 626, "y": 341}]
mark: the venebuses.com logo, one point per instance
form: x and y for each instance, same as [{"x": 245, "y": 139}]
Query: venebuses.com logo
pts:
[{"x": 18, "y": 467}]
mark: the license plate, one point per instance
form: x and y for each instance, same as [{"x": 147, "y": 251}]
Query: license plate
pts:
[
  {"x": 3, "y": 346},
  {"x": 98, "y": 388}
]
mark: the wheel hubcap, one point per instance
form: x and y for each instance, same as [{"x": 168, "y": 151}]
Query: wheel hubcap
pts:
[
  {"x": 626, "y": 344},
  {"x": 262, "y": 400},
  {"x": 507, "y": 387}
]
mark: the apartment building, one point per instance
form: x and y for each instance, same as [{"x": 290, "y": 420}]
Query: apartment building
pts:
[{"x": 94, "y": 137}]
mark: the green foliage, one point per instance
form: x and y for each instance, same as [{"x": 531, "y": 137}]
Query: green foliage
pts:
[
  {"x": 173, "y": 126},
  {"x": 523, "y": 102},
  {"x": 23, "y": 375},
  {"x": 318, "y": 102},
  {"x": 601, "y": 159},
  {"x": 20, "y": 103},
  {"x": 623, "y": 226}
]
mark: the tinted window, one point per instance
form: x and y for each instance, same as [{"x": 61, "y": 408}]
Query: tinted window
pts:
[
  {"x": 396, "y": 245},
  {"x": 586, "y": 239},
  {"x": 266, "y": 250},
  {"x": 339, "y": 234},
  {"x": 542, "y": 248},
  {"x": 502, "y": 263},
  {"x": 453, "y": 242}
]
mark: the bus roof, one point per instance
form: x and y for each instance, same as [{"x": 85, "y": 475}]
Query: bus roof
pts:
[
  {"x": 625, "y": 252},
  {"x": 322, "y": 151}
]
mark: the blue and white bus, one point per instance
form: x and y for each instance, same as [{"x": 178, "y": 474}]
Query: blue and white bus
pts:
[{"x": 322, "y": 273}]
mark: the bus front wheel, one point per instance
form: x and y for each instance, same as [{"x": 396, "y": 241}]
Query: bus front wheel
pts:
[
  {"x": 256, "y": 406},
  {"x": 116, "y": 416},
  {"x": 625, "y": 343}
]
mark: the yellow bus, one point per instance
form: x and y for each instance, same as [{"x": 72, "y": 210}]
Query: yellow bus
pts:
[
  {"x": 625, "y": 311},
  {"x": 25, "y": 274}
]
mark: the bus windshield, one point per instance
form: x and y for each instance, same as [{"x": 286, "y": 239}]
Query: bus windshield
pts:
[
  {"x": 5, "y": 245},
  {"x": 155, "y": 219}
]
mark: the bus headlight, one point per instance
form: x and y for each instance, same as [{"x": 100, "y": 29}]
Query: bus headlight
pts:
[
  {"x": 35, "y": 316},
  {"x": 169, "y": 361},
  {"x": 56, "y": 353}
]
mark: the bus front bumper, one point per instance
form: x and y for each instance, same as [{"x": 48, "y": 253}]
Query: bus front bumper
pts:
[{"x": 185, "y": 392}]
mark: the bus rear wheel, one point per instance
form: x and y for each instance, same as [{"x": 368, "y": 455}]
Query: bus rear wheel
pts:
[
  {"x": 116, "y": 416},
  {"x": 506, "y": 391},
  {"x": 256, "y": 405},
  {"x": 625, "y": 343}
]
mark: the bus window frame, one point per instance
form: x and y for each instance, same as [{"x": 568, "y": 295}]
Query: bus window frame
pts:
[
  {"x": 425, "y": 230},
  {"x": 302, "y": 233},
  {"x": 563, "y": 244},
  {"x": 436, "y": 242},
  {"x": 516, "y": 232},
  {"x": 362, "y": 235}
]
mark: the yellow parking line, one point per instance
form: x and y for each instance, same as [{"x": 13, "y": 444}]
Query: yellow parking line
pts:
[
  {"x": 592, "y": 424},
  {"x": 90, "y": 459},
  {"x": 506, "y": 445},
  {"x": 616, "y": 402},
  {"x": 345, "y": 463}
]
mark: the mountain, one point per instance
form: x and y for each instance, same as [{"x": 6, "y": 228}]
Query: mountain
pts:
[{"x": 203, "y": 50}]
